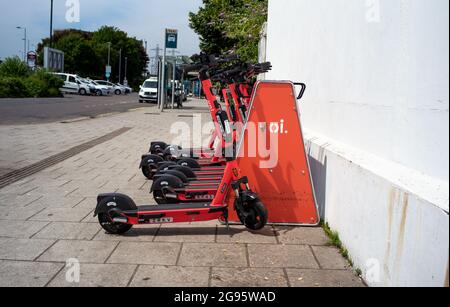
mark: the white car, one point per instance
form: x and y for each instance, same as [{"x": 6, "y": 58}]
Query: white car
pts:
[
  {"x": 116, "y": 89},
  {"x": 101, "y": 90},
  {"x": 74, "y": 84},
  {"x": 128, "y": 89},
  {"x": 149, "y": 90}
]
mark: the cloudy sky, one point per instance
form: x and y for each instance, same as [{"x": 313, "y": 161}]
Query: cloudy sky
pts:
[{"x": 143, "y": 19}]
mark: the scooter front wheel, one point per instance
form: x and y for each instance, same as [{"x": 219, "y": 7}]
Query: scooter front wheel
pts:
[{"x": 255, "y": 216}]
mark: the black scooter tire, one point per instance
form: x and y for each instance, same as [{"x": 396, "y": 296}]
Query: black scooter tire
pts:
[
  {"x": 110, "y": 227},
  {"x": 189, "y": 162},
  {"x": 157, "y": 148},
  {"x": 148, "y": 163},
  {"x": 163, "y": 182},
  {"x": 187, "y": 171},
  {"x": 165, "y": 166},
  {"x": 258, "y": 216},
  {"x": 178, "y": 174}
]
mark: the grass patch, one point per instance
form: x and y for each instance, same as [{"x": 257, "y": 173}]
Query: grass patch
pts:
[{"x": 336, "y": 241}]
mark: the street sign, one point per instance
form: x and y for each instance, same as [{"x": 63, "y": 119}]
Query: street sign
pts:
[
  {"x": 53, "y": 59},
  {"x": 171, "y": 39},
  {"x": 31, "y": 58},
  {"x": 108, "y": 72}
]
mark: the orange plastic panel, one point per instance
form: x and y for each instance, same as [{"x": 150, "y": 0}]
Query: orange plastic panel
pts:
[{"x": 285, "y": 187}]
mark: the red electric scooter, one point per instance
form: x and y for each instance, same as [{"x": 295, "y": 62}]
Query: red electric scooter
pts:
[
  {"x": 236, "y": 110},
  {"x": 117, "y": 213}
]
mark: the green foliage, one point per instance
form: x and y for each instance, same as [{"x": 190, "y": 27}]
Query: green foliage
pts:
[
  {"x": 230, "y": 26},
  {"x": 336, "y": 241},
  {"x": 86, "y": 53},
  {"x": 43, "y": 84},
  {"x": 17, "y": 81},
  {"x": 14, "y": 67},
  {"x": 12, "y": 87}
]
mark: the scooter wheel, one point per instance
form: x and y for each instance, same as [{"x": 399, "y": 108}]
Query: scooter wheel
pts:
[
  {"x": 163, "y": 183},
  {"x": 157, "y": 148},
  {"x": 112, "y": 228},
  {"x": 178, "y": 174},
  {"x": 105, "y": 219},
  {"x": 189, "y": 162},
  {"x": 148, "y": 164},
  {"x": 256, "y": 215},
  {"x": 186, "y": 171},
  {"x": 165, "y": 166}
]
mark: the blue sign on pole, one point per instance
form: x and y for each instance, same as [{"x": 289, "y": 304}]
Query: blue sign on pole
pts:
[{"x": 171, "y": 39}]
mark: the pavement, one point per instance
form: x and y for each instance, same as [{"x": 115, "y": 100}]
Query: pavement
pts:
[{"x": 47, "y": 224}]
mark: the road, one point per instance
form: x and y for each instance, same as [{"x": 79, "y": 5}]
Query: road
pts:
[{"x": 44, "y": 110}]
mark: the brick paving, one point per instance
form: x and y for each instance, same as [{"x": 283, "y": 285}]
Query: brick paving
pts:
[{"x": 46, "y": 218}]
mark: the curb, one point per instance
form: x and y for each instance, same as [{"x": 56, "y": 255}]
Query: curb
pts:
[
  {"x": 79, "y": 119},
  {"x": 75, "y": 120}
]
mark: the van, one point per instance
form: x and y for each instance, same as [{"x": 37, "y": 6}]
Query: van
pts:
[
  {"x": 149, "y": 90},
  {"x": 74, "y": 85}
]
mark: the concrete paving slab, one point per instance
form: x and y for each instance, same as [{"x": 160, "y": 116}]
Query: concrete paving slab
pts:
[
  {"x": 323, "y": 278},
  {"x": 83, "y": 251},
  {"x": 27, "y": 274},
  {"x": 68, "y": 231},
  {"x": 220, "y": 255},
  {"x": 248, "y": 277},
  {"x": 146, "y": 253},
  {"x": 240, "y": 234},
  {"x": 186, "y": 233},
  {"x": 301, "y": 235},
  {"x": 97, "y": 275},
  {"x": 281, "y": 256},
  {"x": 20, "y": 213},
  {"x": 330, "y": 258},
  {"x": 56, "y": 214},
  {"x": 20, "y": 229},
  {"x": 23, "y": 249},
  {"x": 136, "y": 234},
  {"x": 170, "y": 276}
]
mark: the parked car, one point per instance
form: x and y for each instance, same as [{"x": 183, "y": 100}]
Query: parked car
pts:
[
  {"x": 100, "y": 90},
  {"x": 115, "y": 88},
  {"x": 149, "y": 90},
  {"x": 73, "y": 84},
  {"x": 128, "y": 90}
]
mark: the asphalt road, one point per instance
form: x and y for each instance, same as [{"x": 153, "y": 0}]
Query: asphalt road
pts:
[{"x": 44, "y": 110}]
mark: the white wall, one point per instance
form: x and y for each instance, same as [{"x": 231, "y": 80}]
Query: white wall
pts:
[
  {"x": 379, "y": 86},
  {"x": 377, "y": 75}
]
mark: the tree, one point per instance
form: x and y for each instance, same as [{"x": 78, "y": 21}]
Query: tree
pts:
[
  {"x": 230, "y": 26},
  {"x": 86, "y": 53}
]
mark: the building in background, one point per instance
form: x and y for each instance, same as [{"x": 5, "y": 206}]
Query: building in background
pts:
[{"x": 376, "y": 117}]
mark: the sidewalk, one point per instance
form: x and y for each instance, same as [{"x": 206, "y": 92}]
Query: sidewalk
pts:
[{"x": 46, "y": 218}]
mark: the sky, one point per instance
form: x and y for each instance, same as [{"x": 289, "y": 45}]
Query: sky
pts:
[{"x": 143, "y": 19}]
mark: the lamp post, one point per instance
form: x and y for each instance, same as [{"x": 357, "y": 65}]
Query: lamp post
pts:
[
  {"x": 120, "y": 66},
  {"x": 109, "y": 52},
  {"x": 51, "y": 23},
  {"x": 125, "y": 80},
  {"x": 24, "y": 43}
]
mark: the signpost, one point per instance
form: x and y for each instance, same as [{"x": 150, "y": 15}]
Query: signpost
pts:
[
  {"x": 108, "y": 72},
  {"x": 31, "y": 59},
  {"x": 170, "y": 42},
  {"x": 53, "y": 59}
]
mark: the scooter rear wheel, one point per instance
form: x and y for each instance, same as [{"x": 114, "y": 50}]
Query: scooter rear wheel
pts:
[
  {"x": 189, "y": 162},
  {"x": 256, "y": 215},
  {"x": 112, "y": 228},
  {"x": 162, "y": 186},
  {"x": 148, "y": 164},
  {"x": 157, "y": 148}
]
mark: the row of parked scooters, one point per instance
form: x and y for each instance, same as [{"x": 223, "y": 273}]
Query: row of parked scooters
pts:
[{"x": 198, "y": 184}]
